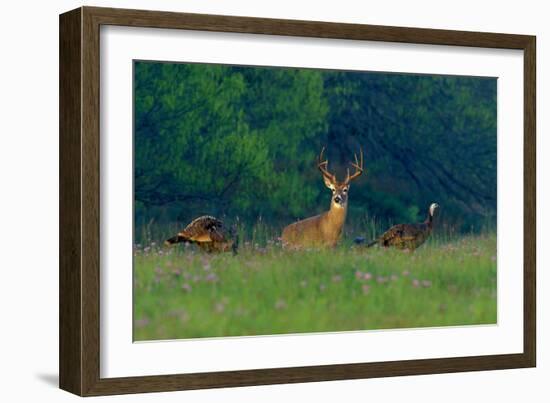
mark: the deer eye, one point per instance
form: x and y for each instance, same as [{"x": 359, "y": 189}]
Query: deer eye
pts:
[{"x": 345, "y": 190}]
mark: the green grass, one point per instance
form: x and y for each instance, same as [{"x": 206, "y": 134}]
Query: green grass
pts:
[{"x": 182, "y": 293}]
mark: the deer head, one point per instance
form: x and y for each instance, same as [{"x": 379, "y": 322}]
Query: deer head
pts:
[{"x": 339, "y": 189}]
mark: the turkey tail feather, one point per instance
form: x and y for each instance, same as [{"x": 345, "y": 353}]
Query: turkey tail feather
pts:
[{"x": 176, "y": 239}]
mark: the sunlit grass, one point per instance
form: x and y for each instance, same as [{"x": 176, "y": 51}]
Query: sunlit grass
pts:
[{"x": 182, "y": 293}]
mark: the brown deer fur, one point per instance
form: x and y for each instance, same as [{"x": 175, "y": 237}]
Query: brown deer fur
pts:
[{"x": 323, "y": 230}]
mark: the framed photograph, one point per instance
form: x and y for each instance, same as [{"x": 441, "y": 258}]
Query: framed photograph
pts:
[{"x": 248, "y": 201}]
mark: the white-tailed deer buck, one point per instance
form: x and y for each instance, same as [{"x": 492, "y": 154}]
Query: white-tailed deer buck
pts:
[{"x": 324, "y": 230}]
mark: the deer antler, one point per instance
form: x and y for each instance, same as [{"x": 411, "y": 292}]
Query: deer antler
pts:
[
  {"x": 322, "y": 165},
  {"x": 358, "y": 167}
]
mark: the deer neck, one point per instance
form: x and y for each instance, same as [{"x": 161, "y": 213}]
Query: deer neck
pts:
[{"x": 337, "y": 215}]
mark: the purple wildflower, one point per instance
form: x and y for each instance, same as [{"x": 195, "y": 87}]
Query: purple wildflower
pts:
[
  {"x": 211, "y": 278},
  {"x": 142, "y": 322}
]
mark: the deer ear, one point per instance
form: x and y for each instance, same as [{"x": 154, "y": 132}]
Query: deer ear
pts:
[{"x": 328, "y": 183}]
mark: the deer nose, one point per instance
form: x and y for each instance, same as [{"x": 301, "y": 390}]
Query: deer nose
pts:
[{"x": 337, "y": 199}]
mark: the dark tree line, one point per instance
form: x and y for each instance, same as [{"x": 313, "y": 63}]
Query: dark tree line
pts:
[
  {"x": 242, "y": 141},
  {"x": 428, "y": 138}
]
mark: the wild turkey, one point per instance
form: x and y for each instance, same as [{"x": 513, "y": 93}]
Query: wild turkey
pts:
[
  {"x": 407, "y": 236},
  {"x": 209, "y": 234}
]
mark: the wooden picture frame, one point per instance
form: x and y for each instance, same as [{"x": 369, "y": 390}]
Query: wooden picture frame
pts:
[{"x": 79, "y": 346}]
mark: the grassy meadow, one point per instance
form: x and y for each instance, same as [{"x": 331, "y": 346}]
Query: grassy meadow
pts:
[
  {"x": 180, "y": 292},
  {"x": 241, "y": 143}
]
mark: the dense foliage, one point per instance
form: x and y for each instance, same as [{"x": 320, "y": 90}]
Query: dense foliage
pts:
[{"x": 242, "y": 141}]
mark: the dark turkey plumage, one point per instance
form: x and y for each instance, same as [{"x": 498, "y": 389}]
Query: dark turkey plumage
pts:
[
  {"x": 208, "y": 233},
  {"x": 407, "y": 236}
]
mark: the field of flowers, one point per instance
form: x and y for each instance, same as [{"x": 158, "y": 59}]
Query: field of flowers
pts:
[{"x": 180, "y": 292}]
